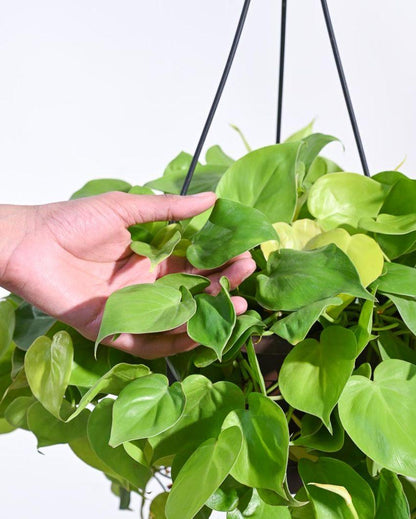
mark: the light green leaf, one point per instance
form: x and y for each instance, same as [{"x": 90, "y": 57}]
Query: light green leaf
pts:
[
  {"x": 206, "y": 407},
  {"x": 407, "y": 310},
  {"x": 31, "y": 323},
  {"x": 363, "y": 251},
  {"x": 380, "y": 416},
  {"x": 99, "y": 427},
  {"x": 390, "y": 499},
  {"x": 302, "y": 133},
  {"x": 352, "y": 495},
  {"x": 295, "y": 326},
  {"x": 262, "y": 177},
  {"x": 161, "y": 246},
  {"x": 7, "y": 321},
  {"x": 312, "y": 146},
  {"x": 16, "y": 412},
  {"x": 157, "y": 506},
  {"x": 295, "y": 279},
  {"x": 389, "y": 224},
  {"x": 101, "y": 185},
  {"x": 314, "y": 373},
  {"x": 263, "y": 457},
  {"x": 48, "y": 366},
  {"x": 345, "y": 198},
  {"x": 231, "y": 229},
  {"x": 214, "y": 319},
  {"x": 81, "y": 447},
  {"x": 216, "y": 155},
  {"x": 202, "y": 474},
  {"x": 112, "y": 383},
  {"x": 5, "y": 427},
  {"x": 146, "y": 407},
  {"x": 320, "y": 166},
  {"x": 49, "y": 430},
  {"x": 145, "y": 308}
]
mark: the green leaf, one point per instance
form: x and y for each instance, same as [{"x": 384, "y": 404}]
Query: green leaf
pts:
[
  {"x": 345, "y": 198},
  {"x": 393, "y": 347},
  {"x": 258, "y": 509},
  {"x": 161, "y": 246},
  {"x": 146, "y": 407},
  {"x": 302, "y": 133},
  {"x": 49, "y": 430},
  {"x": 112, "y": 383},
  {"x": 16, "y": 412},
  {"x": 295, "y": 279},
  {"x": 202, "y": 474},
  {"x": 48, "y": 366},
  {"x": 206, "y": 407},
  {"x": 31, "y": 323},
  {"x": 314, "y": 373},
  {"x": 329, "y": 503},
  {"x": 390, "y": 499},
  {"x": 231, "y": 229},
  {"x": 389, "y": 224},
  {"x": 81, "y": 447},
  {"x": 191, "y": 282},
  {"x": 363, "y": 251},
  {"x": 214, "y": 319},
  {"x": 5, "y": 427},
  {"x": 398, "y": 279},
  {"x": 263, "y": 457},
  {"x": 101, "y": 185},
  {"x": 205, "y": 178},
  {"x": 407, "y": 310},
  {"x": 7, "y": 322},
  {"x": 312, "y": 146},
  {"x": 157, "y": 506},
  {"x": 295, "y": 326},
  {"x": 99, "y": 428},
  {"x": 261, "y": 177},
  {"x": 315, "y": 436},
  {"x": 145, "y": 308},
  {"x": 320, "y": 166},
  {"x": 216, "y": 155},
  {"x": 380, "y": 416}
]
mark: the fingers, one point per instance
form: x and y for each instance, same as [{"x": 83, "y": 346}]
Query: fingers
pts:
[{"x": 153, "y": 208}]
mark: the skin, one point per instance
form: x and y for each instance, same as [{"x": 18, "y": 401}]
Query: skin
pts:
[{"x": 67, "y": 258}]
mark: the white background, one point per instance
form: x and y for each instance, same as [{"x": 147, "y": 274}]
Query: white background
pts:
[{"x": 99, "y": 88}]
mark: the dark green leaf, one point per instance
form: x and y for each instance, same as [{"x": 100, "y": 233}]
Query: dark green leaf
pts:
[
  {"x": 31, "y": 323},
  {"x": 231, "y": 229},
  {"x": 295, "y": 279},
  {"x": 315, "y": 436},
  {"x": 390, "y": 498}
]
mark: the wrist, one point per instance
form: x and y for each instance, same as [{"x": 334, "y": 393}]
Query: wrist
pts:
[{"x": 14, "y": 221}]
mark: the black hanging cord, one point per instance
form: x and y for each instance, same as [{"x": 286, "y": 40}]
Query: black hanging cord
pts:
[
  {"x": 217, "y": 98},
  {"x": 281, "y": 69},
  {"x": 345, "y": 87}
]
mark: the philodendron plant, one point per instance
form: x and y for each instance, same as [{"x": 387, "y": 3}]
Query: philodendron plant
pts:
[{"x": 335, "y": 280}]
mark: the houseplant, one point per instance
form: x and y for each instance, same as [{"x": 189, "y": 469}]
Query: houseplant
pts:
[{"x": 336, "y": 281}]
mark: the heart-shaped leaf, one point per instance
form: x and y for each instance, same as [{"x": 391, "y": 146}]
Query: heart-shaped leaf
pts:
[
  {"x": 314, "y": 373},
  {"x": 263, "y": 457},
  {"x": 161, "y": 246},
  {"x": 263, "y": 177},
  {"x": 214, "y": 319},
  {"x": 146, "y": 407},
  {"x": 48, "y": 366},
  {"x": 206, "y": 407},
  {"x": 295, "y": 279},
  {"x": 202, "y": 474},
  {"x": 146, "y": 308},
  {"x": 232, "y": 228},
  {"x": 380, "y": 415}
]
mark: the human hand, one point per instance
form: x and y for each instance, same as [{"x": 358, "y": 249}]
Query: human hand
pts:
[{"x": 70, "y": 256}]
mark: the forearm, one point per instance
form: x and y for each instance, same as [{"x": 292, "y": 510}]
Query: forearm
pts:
[{"x": 15, "y": 222}]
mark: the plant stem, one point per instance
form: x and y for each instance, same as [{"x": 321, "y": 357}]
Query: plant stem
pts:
[{"x": 272, "y": 388}]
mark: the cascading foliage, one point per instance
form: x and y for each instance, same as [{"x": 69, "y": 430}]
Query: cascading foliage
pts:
[{"x": 335, "y": 279}]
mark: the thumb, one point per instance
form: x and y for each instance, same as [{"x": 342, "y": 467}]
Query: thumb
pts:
[{"x": 154, "y": 208}]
